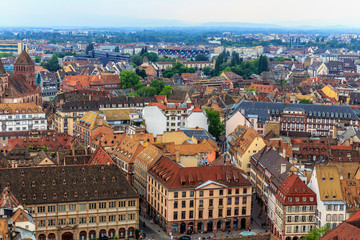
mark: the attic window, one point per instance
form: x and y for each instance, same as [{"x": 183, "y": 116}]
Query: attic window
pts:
[
  {"x": 43, "y": 183},
  {"x": 64, "y": 181},
  {"x": 65, "y": 194},
  {"x": 326, "y": 197},
  {"x": 54, "y": 196},
  {"x": 113, "y": 179},
  {"x": 44, "y": 196},
  {"x": 94, "y": 180},
  {"x": 22, "y": 173},
  {"x": 42, "y": 172},
  {"x": 96, "y": 192},
  {"x": 102, "y": 169},
  {"x": 33, "y": 184},
  {"x": 75, "y": 194},
  {"x": 74, "y": 181},
  {"x": 104, "y": 179},
  {"x": 331, "y": 179},
  {"x": 83, "y": 170},
  {"x": 24, "y": 197},
  {"x": 323, "y": 179},
  {"x": 334, "y": 197},
  {"x": 34, "y": 196},
  {"x": 63, "y": 170},
  {"x": 53, "y": 182},
  {"x": 86, "y": 193}
]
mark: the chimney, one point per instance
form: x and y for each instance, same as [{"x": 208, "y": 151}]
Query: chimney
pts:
[{"x": 283, "y": 168}]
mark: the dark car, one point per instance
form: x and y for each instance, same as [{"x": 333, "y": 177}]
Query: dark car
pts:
[{"x": 185, "y": 238}]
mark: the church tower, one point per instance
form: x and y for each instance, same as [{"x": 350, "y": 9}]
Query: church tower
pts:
[
  {"x": 4, "y": 79},
  {"x": 26, "y": 67}
]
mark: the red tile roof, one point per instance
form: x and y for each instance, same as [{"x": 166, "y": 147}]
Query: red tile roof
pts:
[
  {"x": 101, "y": 157},
  {"x": 174, "y": 176},
  {"x": 293, "y": 188},
  {"x": 53, "y": 142}
]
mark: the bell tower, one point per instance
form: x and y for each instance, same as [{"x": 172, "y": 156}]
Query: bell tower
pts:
[
  {"x": 4, "y": 79},
  {"x": 26, "y": 67}
]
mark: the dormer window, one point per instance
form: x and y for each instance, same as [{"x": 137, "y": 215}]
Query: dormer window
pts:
[
  {"x": 34, "y": 196},
  {"x": 94, "y": 180},
  {"x": 53, "y": 182},
  {"x": 86, "y": 193},
  {"x": 65, "y": 194},
  {"x": 44, "y": 196},
  {"x": 74, "y": 181},
  {"x": 54, "y": 196},
  {"x": 33, "y": 184},
  {"x": 22, "y": 173},
  {"x": 75, "y": 194},
  {"x": 23, "y": 183},
  {"x": 113, "y": 179},
  {"x": 43, "y": 183},
  {"x": 96, "y": 192},
  {"x": 64, "y": 181},
  {"x": 84, "y": 180},
  {"x": 104, "y": 179}
]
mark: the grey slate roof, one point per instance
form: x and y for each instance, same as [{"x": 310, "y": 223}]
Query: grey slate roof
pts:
[
  {"x": 76, "y": 183},
  {"x": 266, "y": 109},
  {"x": 272, "y": 161},
  {"x": 198, "y": 134},
  {"x": 349, "y": 133}
]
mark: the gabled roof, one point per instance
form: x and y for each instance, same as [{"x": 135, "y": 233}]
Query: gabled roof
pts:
[
  {"x": 7, "y": 199},
  {"x": 24, "y": 59},
  {"x": 101, "y": 157},
  {"x": 293, "y": 186},
  {"x": 272, "y": 161}
]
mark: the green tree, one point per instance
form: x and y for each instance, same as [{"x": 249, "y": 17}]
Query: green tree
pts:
[
  {"x": 143, "y": 51},
  {"x": 201, "y": 57},
  {"x": 52, "y": 64},
  {"x": 279, "y": 59},
  {"x": 141, "y": 73},
  {"x": 3, "y": 55},
  {"x": 235, "y": 59},
  {"x": 263, "y": 64},
  {"x": 129, "y": 79},
  {"x": 207, "y": 71},
  {"x": 136, "y": 59},
  {"x": 158, "y": 85},
  {"x": 216, "y": 128},
  {"x": 306, "y": 101},
  {"x": 316, "y": 233},
  {"x": 151, "y": 56},
  {"x": 166, "y": 90},
  {"x": 89, "y": 47},
  {"x": 146, "y": 91},
  {"x": 37, "y": 59},
  {"x": 283, "y": 82}
]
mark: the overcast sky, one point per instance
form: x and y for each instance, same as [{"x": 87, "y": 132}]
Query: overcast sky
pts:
[{"x": 130, "y": 12}]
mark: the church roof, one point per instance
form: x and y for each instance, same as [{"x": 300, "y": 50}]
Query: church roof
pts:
[
  {"x": 2, "y": 69},
  {"x": 24, "y": 59}
]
